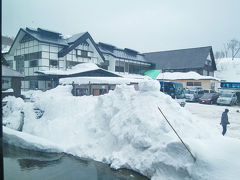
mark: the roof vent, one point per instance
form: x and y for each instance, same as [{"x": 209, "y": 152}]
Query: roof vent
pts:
[
  {"x": 131, "y": 52},
  {"x": 49, "y": 33}
]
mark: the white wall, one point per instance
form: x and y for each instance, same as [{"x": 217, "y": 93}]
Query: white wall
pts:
[{"x": 112, "y": 62}]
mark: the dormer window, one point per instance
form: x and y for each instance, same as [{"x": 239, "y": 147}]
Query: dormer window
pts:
[{"x": 208, "y": 62}]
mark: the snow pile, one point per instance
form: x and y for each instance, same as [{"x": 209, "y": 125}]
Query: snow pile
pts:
[
  {"x": 12, "y": 112},
  {"x": 228, "y": 69},
  {"x": 125, "y": 129}
]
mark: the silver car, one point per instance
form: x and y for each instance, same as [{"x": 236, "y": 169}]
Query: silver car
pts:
[
  {"x": 227, "y": 99},
  {"x": 192, "y": 95}
]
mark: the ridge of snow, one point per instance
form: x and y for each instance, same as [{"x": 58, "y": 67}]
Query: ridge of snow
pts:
[{"x": 125, "y": 129}]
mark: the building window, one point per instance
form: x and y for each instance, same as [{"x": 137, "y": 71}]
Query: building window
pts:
[
  {"x": 205, "y": 73},
  {"x": 83, "y": 53},
  {"x": 33, "y": 84},
  {"x": 20, "y": 65},
  {"x": 31, "y": 56},
  {"x": 194, "y": 84},
  {"x": 33, "y": 63},
  {"x": 81, "y": 91},
  {"x": 189, "y": 83},
  {"x": 10, "y": 63},
  {"x": 53, "y": 63},
  {"x": 134, "y": 69},
  {"x": 197, "y": 84},
  {"x": 6, "y": 83},
  {"x": 211, "y": 73},
  {"x": 208, "y": 62},
  {"x": 119, "y": 69}
]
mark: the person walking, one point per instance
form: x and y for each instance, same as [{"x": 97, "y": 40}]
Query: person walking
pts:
[{"x": 224, "y": 121}]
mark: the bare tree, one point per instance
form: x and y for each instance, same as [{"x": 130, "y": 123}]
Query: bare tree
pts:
[
  {"x": 222, "y": 54},
  {"x": 225, "y": 49},
  {"x": 234, "y": 47},
  {"x": 217, "y": 54}
]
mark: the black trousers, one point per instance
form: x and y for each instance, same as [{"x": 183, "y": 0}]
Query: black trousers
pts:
[{"x": 224, "y": 129}]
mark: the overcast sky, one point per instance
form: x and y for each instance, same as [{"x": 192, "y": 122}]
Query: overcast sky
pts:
[{"x": 143, "y": 25}]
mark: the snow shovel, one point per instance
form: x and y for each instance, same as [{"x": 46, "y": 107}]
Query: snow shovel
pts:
[{"x": 194, "y": 158}]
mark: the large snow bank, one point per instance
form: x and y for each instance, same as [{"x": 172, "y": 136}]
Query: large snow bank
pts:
[
  {"x": 125, "y": 129},
  {"x": 228, "y": 69}
]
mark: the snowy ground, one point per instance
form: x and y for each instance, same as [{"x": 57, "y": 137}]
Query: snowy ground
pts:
[
  {"x": 125, "y": 129},
  {"x": 211, "y": 114}
]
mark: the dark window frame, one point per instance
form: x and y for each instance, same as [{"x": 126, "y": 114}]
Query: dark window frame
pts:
[
  {"x": 119, "y": 68},
  {"x": 189, "y": 83},
  {"x": 53, "y": 63},
  {"x": 33, "y": 63}
]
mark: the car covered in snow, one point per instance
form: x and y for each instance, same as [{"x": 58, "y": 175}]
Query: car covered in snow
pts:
[
  {"x": 227, "y": 99},
  {"x": 208, "y": 98}
]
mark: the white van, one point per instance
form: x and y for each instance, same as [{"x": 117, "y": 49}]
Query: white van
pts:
[{"x": 227, "y": 99}]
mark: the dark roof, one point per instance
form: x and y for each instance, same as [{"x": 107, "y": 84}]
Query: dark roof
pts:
[
  {"x": 46, "y": 36},
  {"x": 125, "y": 53},
  {"x": 182, "y": 58}
]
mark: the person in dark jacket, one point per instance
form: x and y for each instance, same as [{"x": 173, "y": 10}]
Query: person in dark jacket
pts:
[{"x": 224, "y": 121}]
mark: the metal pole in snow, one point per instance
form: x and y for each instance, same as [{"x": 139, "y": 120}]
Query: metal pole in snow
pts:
[{"x": 178, "y": 136}]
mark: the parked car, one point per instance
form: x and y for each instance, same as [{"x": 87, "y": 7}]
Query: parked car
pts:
[
  {"x": 227, "y": 99},
  {"x": 192, "y": 95},
  {"x": 208, "y": 98}
]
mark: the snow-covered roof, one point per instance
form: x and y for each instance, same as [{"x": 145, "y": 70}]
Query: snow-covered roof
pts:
[
  {"x": 7, "y": 72},
  {"x": 79, "y": 68},
  {"x": 228, "y": 69},
  {"x": 5, "y": 48},
  {"x": 99, "y": 80},
  {"x": 181, "y": 75}
]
